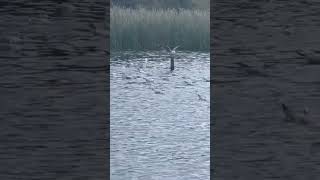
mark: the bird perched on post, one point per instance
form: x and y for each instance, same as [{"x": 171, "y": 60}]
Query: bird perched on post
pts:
[{"x": 172, "y": 55}]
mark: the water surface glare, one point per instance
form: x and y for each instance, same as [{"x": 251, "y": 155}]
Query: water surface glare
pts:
[{"x": 160, "y": 120}]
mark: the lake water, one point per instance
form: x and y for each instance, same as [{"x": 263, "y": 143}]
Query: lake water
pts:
[{"x": 160, "y": 120}]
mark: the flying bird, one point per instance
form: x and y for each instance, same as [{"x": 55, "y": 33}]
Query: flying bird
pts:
[{"x": 201, "y": 98}]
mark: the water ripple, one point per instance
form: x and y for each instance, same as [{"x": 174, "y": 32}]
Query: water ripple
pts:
[{"x": 159, "y": 125}]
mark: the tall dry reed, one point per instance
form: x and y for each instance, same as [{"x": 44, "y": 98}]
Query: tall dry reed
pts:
[{"x": 144, "y": 29}]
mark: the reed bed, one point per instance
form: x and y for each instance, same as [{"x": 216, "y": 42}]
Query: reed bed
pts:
[{"x": 146, "y": 29}]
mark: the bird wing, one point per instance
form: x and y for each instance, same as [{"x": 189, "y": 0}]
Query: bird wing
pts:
[
  {"x": 168, "y": 48},
  {"x": 175, "y": 48}
]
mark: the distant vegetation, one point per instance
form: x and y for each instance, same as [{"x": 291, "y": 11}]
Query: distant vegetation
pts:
[
  {"x": 146, "y": 29},
  {"x": 164, "y": 4}
]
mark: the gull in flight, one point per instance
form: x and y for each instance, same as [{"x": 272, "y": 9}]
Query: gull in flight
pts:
[{"x": 200, "y": 97}]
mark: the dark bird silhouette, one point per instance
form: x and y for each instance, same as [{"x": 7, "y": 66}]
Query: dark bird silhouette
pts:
[{"x": 201, "y": 98}]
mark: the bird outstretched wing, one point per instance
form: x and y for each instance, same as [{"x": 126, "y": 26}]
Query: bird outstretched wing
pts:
[
  {"x": 168, "y": 48},
  {"x": 175, "y": 48}
]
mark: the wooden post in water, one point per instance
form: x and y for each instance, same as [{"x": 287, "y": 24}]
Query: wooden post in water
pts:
[{"x": 172, "y": 62}]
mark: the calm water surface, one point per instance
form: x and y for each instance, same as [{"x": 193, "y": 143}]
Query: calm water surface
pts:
[{"x": 160, "y": 120}]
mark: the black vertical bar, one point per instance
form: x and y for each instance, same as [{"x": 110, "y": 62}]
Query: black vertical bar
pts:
[
  {"x": 54, "y": 89},
  {"x": 265, "y": 90}
]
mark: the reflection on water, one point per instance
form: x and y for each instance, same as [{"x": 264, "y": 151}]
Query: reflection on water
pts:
[{"x": 160, "y": 119}]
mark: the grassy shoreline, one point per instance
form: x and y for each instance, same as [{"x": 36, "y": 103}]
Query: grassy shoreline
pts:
[{"x": 143, "y": 29}]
